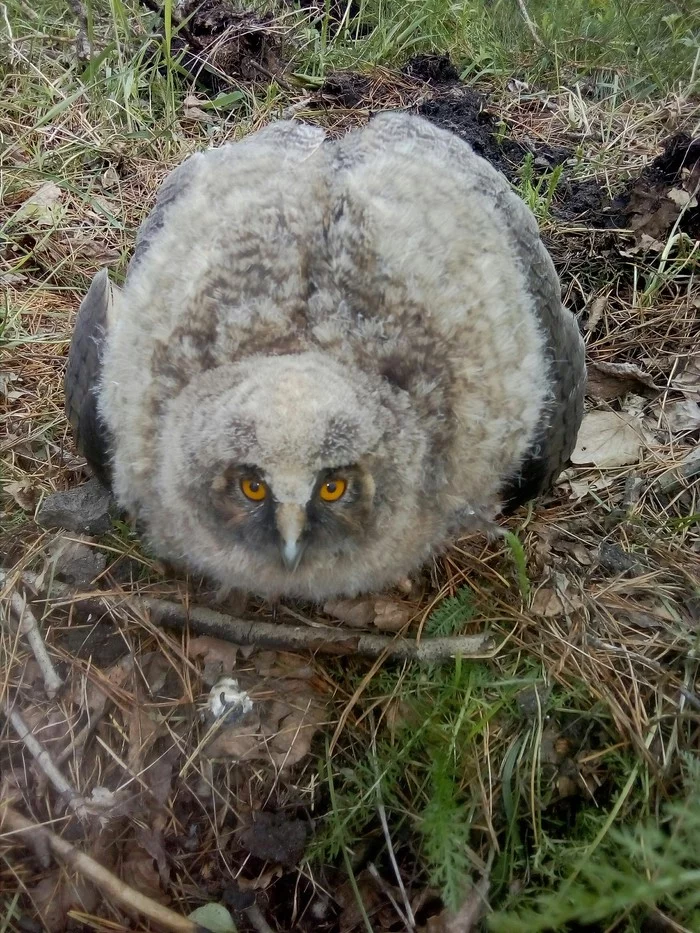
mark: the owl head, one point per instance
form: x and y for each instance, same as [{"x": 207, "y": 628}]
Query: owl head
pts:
[{"x": 287, "y": 467}]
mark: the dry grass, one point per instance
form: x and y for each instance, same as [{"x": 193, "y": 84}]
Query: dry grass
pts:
[{"x": 617, "y": 642}]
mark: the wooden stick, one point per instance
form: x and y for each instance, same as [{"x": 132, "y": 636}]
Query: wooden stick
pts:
[
  {"x": 29, "y": 626},
  {"x": 87, "y": 867},
  {"x": 44, "y": 761},
  {"x": 324, "y": 639}
]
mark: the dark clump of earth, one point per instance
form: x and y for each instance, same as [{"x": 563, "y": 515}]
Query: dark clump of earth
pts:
[
  {"x": 433, "y": 69},
  {"x": 665, "y": 192},
  {"x": 219, "y": 43},
  {"x": 465, "y": 112},
  {"x": 462, "y": 111},
  {"x": 274, "y": 837},
  {"x": 345, "y": 89}
]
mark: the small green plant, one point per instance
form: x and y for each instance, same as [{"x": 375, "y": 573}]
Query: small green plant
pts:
[
  {"x": 638, "y": 870},
  {"x": 537, "y": 191},
  {"x": 446, "y": 828},
  {"x": 452, "y": 614},
  {"x": 519, "y": 559}
]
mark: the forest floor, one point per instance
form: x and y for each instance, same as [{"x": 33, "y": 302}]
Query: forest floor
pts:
[{"x": 548, "y": 781}]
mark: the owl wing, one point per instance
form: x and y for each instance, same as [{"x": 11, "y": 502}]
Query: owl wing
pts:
[
  {"x": 556, "y": 436},
  {"x": 82, "y": 374},
  {"x": 289, "y": 140}
]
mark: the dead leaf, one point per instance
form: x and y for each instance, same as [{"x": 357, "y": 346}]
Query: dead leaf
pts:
[
  {"x": 139, "y": 871},
  {"x": 567, "y": 786},
  {"x": 242, "y": 741},
  {"x": 93, "y": 249},
  {"x": 689, "y": 378},
  {"x": 597, "y": 311},
  {"x": 292, "y": 743},
  {"x": 150, "y": 839},
  {"x": 159, "y": 776},
  {"x": 282, "y": 664},
  {"x": 555, "y": 600},
  {"x": 590, "y": 483},
  {"x": 57, "y": 894},
  {"x": 48, "y": 726},
  {"x": 390, "y": 616},
  {"x": 43, "y": 207},
  {"x": 680, "y": 474},
  {"x": 547, "y": 603},
  {"x": 613, "y": 380},
  {"x": 681, "y": 416},
  {"x": 213, "y": 651},
  {"x": 357, "y": 613},
  {"x": 608, "y": 439},
  {"x": 262, "y": 881},
  {"x": 372, "y": 900},
  {"x": 682, "y": 198},
  {"x": 144, "y": 729},
  {"x": 467, "y": 916},
  {"x": 192, "y": 110},
  {"x": 98, "y": 692},
  {"x": 110, "y": 178},
  {"x": 154, "y": 667},
  {"x": 9, "y": 279},
  {"x": 24, "y": 492},
  {"x": 280, "y": 728}
]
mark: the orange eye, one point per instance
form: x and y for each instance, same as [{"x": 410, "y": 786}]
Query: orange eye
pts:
[
  {"x": 333, "y": 489},
  {"x": 253, "y": 489}
]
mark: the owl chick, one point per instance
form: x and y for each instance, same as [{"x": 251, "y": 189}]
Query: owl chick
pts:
[{"x": 327, "y": 360}]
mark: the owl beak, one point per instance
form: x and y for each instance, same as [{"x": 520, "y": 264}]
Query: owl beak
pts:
[{"x": 291, "y": 521}]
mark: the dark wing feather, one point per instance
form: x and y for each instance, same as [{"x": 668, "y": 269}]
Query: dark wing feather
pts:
[
  {"x": 90, "y": 331},
  {"x": 82, "y": 376},
  {"x": 556, "y": 437}
]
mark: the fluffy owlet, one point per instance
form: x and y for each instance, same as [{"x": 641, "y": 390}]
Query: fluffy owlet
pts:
[{"x": 328, "y": 359}]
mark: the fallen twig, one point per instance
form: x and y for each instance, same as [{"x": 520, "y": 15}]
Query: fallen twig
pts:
[
  {"x": 108, "y": 883},
  {"x": 45, "y": 762},
  {"x": 277, "y": 636},
  {"x": 529, "y": 22},
  {"x": 29, "y": 626},
  {"x": 257, "y": 920},
  {"x": 83, "y": 48},
  {"x": 407, "y": 917}
]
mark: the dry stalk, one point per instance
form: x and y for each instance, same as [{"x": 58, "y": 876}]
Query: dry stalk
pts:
[
  {"x": 82, "y": 42},
  {"x": 257, "y": 920},
  {"x": 108, "y": 883},
  {"x": 45, "y": 762},
  {"x": 29, "y": 626},
  {"x": 530, "y": 24},
  {"x": 276, "y": 636}
]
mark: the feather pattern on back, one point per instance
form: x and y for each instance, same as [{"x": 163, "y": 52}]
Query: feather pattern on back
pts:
[{"x": 378, "y": 311}]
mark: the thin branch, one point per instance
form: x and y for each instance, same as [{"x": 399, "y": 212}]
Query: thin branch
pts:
[
  {"x": 277, "y": 636},
  {"x": 83, "y": 48},
  {"x": 29, "y": 626},
  {"x": 45, "y": 762},
  {"x": 530, "y": 24},
  {"x": 257, "y": 920},
  {"x": 408, "y": 918},
  {"x": 87, "y": 867}
]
